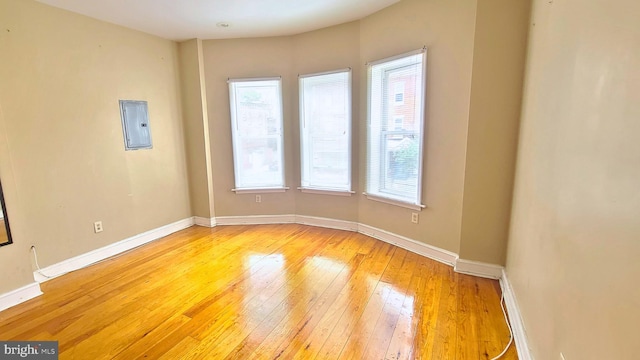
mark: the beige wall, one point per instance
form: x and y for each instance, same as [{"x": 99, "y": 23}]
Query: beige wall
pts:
[
  {"x": 196, "y": 126},
  {"x": 14, "y": 261},
  {"x": 322, "y": 50},
  {"x": 74, "y": 132},
  {"x": 494, "y": 117},
  {"x": 447, "y": 29},
  {"x": 325, "y": 50},
  {"x": 63, "y": 158},
  {"x": 574, "y": 227},
  {"x": 575, "y": 233},
  {"x": 246, "y": 58}
]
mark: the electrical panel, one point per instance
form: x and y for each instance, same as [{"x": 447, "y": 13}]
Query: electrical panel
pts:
[{"x": 135, "y": 124}]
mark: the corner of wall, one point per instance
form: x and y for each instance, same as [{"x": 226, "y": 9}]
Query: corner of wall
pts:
[
  {"x": 494, "y": 118},
  {"x": 196, "y": 122}
]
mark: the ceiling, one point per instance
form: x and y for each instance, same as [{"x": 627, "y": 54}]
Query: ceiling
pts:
[{"x": 187, "y": 19}]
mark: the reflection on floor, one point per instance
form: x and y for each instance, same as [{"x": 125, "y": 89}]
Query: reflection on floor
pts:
[{"x": 266, "y": 292}]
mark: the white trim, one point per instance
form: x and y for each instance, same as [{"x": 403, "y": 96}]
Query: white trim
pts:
[
  {"x": 515, "y": 319},
  {"x": 326, "y": 191},
  {"x": 255, "y": 219},
  {"x": 327, "y": 223},
  {"x": 268, "y": 78},
  {"x": 325, "y": 73},
  {"x": 306, "y": 130},
  {"x": 260, "y": 190},
  {"x": 20, "y": 295},
  {"x": 377, "y": 80},
  {"x": 83, "y": 260},
  {"x": 395, "y": 202},
  {"x": 272, "y": 84},
  {"x": 476, "y": 268},
  {"x": 399, "y": 56},
  {"x": 444, "y": 256},
  {"x": 432, "y": 252},
  {"x": 206, "y": 222}
]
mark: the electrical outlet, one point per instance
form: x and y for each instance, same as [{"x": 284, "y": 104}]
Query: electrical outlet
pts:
[
  {"x": 97, "y": 227},
  {"x": 414, "y": 218},
  {"x": 258, "y": 198},
  {"x": 562, "y": 356}
]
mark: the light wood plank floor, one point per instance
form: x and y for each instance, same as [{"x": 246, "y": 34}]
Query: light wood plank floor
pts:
[{"x": 265, "y": 292}]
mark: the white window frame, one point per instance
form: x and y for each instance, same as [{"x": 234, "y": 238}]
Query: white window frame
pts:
[
  {"x": 373, "y": 191},
  {"x": 239, "y": 187},
  {"x": 306, "y": 184}
]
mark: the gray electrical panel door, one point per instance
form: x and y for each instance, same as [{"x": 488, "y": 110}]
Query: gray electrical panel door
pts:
[{"x": 135, "y": 124}]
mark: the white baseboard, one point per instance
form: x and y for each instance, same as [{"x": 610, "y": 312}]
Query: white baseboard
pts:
[
  {"x": 206, "y": 222},
  {"x": 255, "y": 219},
  {"x": 477, "y": 268},
  {"x": 517, "y": 325},
  {"x": 432, "y": 252},
  {"x": 102, "y": 253},
  {"x": 327, "y": 223},
  {"x": 417, "y": 247},
  {"x": 444, "y": 256},
  {"x": 20, "y": 295}
]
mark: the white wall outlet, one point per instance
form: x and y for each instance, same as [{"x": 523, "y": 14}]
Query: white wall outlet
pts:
[
  {"x": 258, "y": 198},
  {"x": 562, "y": 356},
  {"x": 97, "y": 227},
  {"x": 414, "y": 218}
]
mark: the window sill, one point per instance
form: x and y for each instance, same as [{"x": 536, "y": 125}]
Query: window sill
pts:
[
  {"x": 260, "y": 190},
  {"x": 326, "y": 191},
  {"x": 395, "y": 202}
]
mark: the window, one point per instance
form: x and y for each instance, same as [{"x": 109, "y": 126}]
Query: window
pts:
[
  {"x": 395, "y": 133},
  {"x": 256, "y": 122},
  {"x": 325, "y": 126}
]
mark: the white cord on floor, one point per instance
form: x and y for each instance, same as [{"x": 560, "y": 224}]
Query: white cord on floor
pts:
[
  {"x": 504, "y": 312},
  {"x": 35, "y": 255}
]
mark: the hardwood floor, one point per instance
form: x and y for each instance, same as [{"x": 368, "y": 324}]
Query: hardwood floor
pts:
[{"x": 265, "y": 292}]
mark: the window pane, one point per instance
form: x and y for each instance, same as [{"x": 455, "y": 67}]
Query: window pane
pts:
[
  {"x": 259, "y": 162},
  {"x": 395, "y": 128},
  {"x": 400, "y": 176},
  {"x": 325, "y": 116},
  {"x": 256, "y": 116}
]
